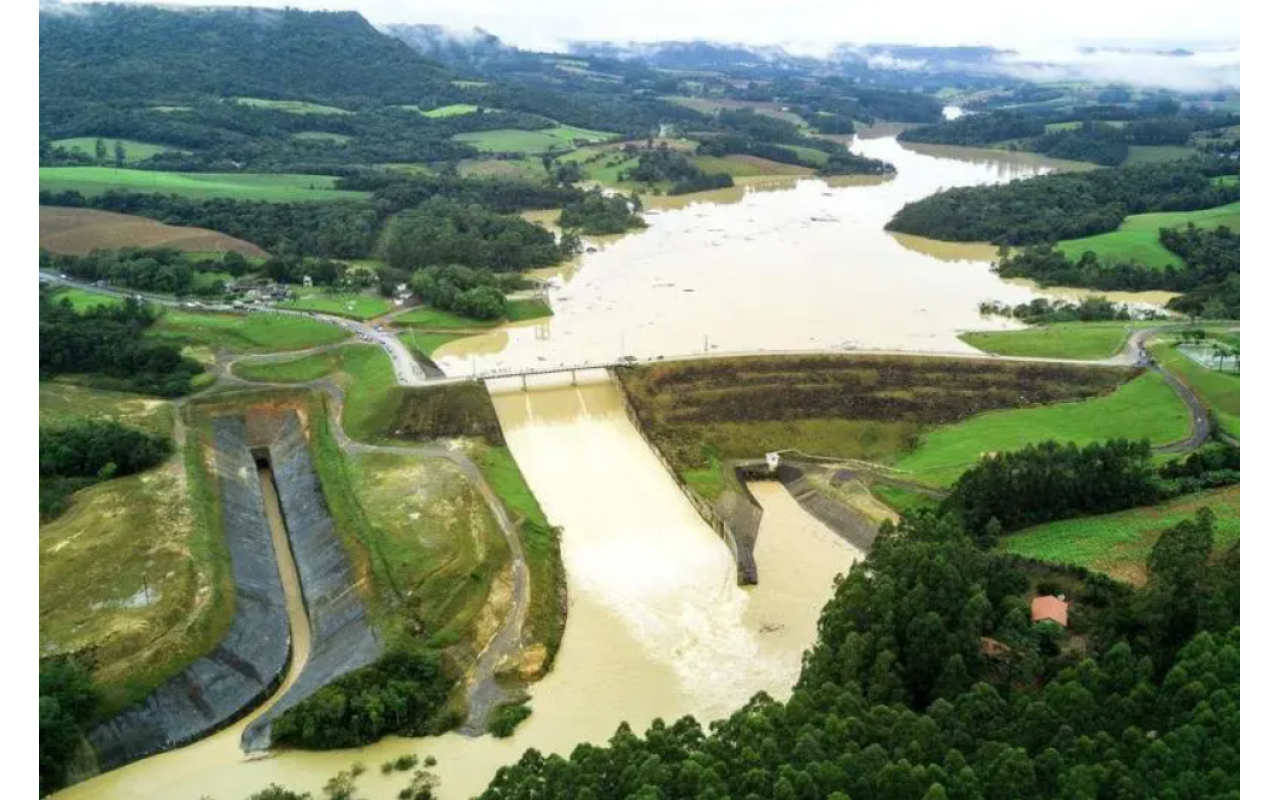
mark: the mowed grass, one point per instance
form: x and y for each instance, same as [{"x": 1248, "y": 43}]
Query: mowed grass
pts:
[
  {"x": 134, "y": 151},
  {"x": 544, "y": 624},
  {"x": 1138, "y": 239},
  {"x": 435, "y": 538},
  {"x": 246, "y": 333},
  {"x": 1143, "y": 408},
  {"x": 744, "y": 166},
  {"x": 283, "y": 187},
  {"x": 342, "y": 304},
  {"x": 1119, "y": 544},
  {"x": 363, "y": 371},
  {"x": 1156, "y": 153},
  {"x": 136, "y": 572},
  {"x": 425, "y": 317},
  {"x": 1082, "y": 340},
  {"x": 525, "y": 310},
  {"x": 1219, "y": 391},
  {"x": 82, "y": 300},
  {"x": 291, "y": 106},
  {"x": 511, "y": 140},
  {"x": 424, "y": 343}
]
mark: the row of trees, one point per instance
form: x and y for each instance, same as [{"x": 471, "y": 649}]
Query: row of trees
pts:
[
  {"x": 88, "y": 451},
  {"x": 1043, "y": 310},
  {"x": 1067, "y": 205},
  {"x": 147, "y": 269}
]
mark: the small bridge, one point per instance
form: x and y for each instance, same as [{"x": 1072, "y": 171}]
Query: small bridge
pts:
[{"x": 571, "y": 369}]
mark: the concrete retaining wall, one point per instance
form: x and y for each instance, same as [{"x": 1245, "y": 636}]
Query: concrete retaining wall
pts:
[
  {"x": 734, "y": 517},
  {"x": 248, "y": 664},
  {"x": 342, "y": 639},
  {"x": 851, "y": 526}
]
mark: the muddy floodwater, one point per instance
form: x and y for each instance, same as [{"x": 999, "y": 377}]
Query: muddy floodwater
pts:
[
  {"x": 657, "y": 626},
  {"x": 795, "y": 265}
]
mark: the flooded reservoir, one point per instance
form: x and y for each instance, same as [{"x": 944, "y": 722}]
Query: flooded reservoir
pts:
[
  {"x": 657, "y": 625},
  {"x": 798, "y": 267}
]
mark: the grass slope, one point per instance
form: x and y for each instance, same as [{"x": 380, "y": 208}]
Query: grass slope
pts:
[
  {"x": 1144, "y": 408},
  {"x": 1119, "y": 544},
  {"x": 1138, "y": 238},
  {"x": 342, "y": 304},
  {"x": 284, "y": 187},
  {"x": 1082, "y": 340},
  {"x": 246, "y": 333},
  {"x": 1219, "y": 391},
  {"x": 424, "y": 317}
]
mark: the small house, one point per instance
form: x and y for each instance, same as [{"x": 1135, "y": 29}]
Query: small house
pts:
[{"x": 1048, "y": 607}]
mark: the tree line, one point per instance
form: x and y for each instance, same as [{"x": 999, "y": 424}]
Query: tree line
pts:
[
  {"x": 109, "y": 342},
  {"x": 1067, "y": 205},
  {"x": 474, "y": 293},
  {"x": 1209, "y": 278}
]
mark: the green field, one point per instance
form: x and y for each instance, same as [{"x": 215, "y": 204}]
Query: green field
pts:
[
  {"x": 1119, "y": 544},
  {"x": 510, "y": 140},
  {"x": 1144, "y": 408},
  {"x": 363, "y": 371},
  {"x": 291, "y": 106},
  {"x": 82, "y": 300},
  {"x": 283, "y": 187},
  {"x": 246, "y": 333},
  {"x": 1138, "y": 239},
  {"x": 342, "y": 304},
  {"x": 1155, "y": 153},
  {"x": 527, "y": 168},
  {"x": 811, "y": 156},
  {"x": 1089, "y": 341},
  {"x": 1219, "y": 391},
  {"x": 453, "y": 110},
  {"x": 525, "y": 310},
  {"x": 740, "y": 166},
  {"x": 425, "y": 317},
  {"x": 426, "y": 342},
  {"x": 134, "y": 151},
  {"x": 61, "y": 403},
  {"x": 321, "y": 136}
]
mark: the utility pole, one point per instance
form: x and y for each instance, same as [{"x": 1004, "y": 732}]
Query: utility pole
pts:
[{"x": 704, "y": 343}]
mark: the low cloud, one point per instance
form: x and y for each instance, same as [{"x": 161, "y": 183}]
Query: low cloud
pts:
[{"x": 1206, "y": 71}]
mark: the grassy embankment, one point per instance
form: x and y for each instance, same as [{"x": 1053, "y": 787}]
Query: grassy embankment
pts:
[
  {"x": 341, "y": 304},
  {"x": 1138, "y": 238},
  {"x": 1119, "y": 544},
  {"x": 871, "y": 408},
  {"x": 1143, "y": 408},
  {"x": 244, "y": 333},
  {"x": 284, "y": 187},
  {"x": 82, "y": 300},
  {"x": 1219, "y": 391},
  {"x": 140, "y": 608},
  {"x": 1089, "y": 341}
]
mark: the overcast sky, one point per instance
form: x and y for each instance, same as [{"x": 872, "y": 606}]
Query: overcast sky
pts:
[{"x": 814, "y": 24}]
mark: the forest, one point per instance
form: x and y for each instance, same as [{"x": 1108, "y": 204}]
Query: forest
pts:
[
  {"x": 87, "y": 451},
  {"x": 441, "y": 231},
  {"x": 474, "y": 293},
  {"x": 108, "y": 342},
  {"x": 929, "y": 681},
  {"x": 596, "y": 213},
  {"x": 1067, "y": 205}
]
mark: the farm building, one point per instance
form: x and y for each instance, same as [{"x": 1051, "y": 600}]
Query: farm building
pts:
[{"x": 1050, "y": 608}]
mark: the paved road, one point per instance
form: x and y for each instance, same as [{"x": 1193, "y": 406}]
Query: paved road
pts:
[{"x": 408, "y": 371}]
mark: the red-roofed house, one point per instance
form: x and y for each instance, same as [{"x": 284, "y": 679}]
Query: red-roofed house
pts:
[{"x": 1051, "y": 608}]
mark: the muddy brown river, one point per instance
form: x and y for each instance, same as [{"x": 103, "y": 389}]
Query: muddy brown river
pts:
[
  {"x": 657, "y": 625},
  {"x": 797, "y": 265}
]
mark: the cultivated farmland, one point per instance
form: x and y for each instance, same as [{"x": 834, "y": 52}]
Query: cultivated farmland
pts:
[
  {"x": 77, "y": 231},
  {"x": 283, "y": 187}
]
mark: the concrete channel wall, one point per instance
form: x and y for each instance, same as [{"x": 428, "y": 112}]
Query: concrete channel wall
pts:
[
  {"x": 735, "y": 516},
  {"x": 342, "y": 639},
  {"x": 248, "y": 664},
  {"x": 854, "y": 528}
]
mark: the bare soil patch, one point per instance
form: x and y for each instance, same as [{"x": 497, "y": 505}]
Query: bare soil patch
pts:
[{"x": 77, "y": 231}]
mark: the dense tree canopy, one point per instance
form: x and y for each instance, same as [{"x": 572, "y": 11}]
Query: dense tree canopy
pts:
[
  {"x": 598, "y": 213},
  {"x": 1067, "y": 205},
  {"x": 897, "y": 699},
  {"x": 109, "y": 341},
  {"x": 444, "y": 231}
]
